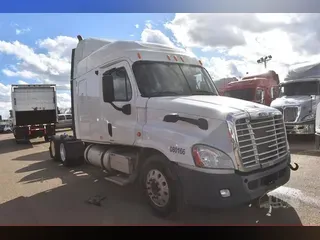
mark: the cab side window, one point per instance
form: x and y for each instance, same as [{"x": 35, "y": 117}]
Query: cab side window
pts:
[{"x": 122, "y": 86}]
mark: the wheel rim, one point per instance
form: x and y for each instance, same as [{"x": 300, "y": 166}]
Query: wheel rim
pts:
[
  {"x": 157, "y": 188},
  {"x": 52, "y": 148},
  {"x": 62, "y": 152}
]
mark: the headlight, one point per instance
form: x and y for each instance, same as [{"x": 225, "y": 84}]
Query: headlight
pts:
[
  {"x": 207, "y": 157},
  {"x": 309, "y": 117}
]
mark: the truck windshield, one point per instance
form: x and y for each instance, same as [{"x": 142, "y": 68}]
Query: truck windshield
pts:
[
  {"x": 244, "y": 94},
  {"x": 300, "y": 88},
  {"x": 171, "y": 79}
]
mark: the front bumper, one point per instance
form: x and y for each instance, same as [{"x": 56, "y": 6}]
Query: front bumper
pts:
[
  {"x": 203, "y": 189},
  {"x": 300, "y": 128}
]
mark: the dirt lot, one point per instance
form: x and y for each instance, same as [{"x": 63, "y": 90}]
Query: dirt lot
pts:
[{"x": 35, "y": 190}]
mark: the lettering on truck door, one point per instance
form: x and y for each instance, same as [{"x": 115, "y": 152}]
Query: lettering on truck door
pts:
[{"x": 119, "y": 127}]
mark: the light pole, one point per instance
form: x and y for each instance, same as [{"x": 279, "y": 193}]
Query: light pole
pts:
[{"x": 264, "y": 60}]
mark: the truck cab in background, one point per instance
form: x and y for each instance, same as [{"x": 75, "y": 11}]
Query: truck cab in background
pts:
[
  {"x": 299, "y": 98},
  {"x": 151, "y": 114},
  {"x": 262, "y": 88}
]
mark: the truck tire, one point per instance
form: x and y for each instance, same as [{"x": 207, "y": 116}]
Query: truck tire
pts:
[
  {"x": 161, "y": 187},
  {"x": 54, "y": 150},
  {"x": 70, "y": 153},
  {"x": 317, "y": 142}
]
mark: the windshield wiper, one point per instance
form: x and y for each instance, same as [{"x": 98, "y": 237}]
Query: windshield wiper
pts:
[
  {"x": 164, "y": 93},
  {"x": 203, "y": 92}
]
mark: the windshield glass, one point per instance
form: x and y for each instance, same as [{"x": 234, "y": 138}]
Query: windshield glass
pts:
[
  {"x": 170, "y": 79},
  {"x": 244, "y": 94},
  {"x": 300, "y": 88}
]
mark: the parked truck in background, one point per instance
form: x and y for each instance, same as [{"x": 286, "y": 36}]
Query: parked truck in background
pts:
[
  {"x": 151, "y": 113},
  {"x": 34, "y": 110},
  {"x": 299, "y": 97},
  {"x": 221, "y": 84},
  {"x": 261, "y": 88}
]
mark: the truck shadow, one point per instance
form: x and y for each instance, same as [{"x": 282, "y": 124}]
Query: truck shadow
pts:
[
  {"x": 303, "y": 145},
  {"x": 67, "y": 204},
  {"x": 9, "y": 145}
]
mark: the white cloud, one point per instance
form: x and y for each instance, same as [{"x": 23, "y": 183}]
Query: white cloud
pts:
[
  {"x": 148, "y": 24},
  {"x": 155, "y": 36},
  {"x": 22, "y": 82},
  {"x": 136, "y": 26},
  {"x": 49, "y": 66},
  {"x": 243, "y": 38},
  {"x": 23, "y": 73},
  {"x": 64, "y": 100},
  {"x": 22, "y": 31},
  {"x": 5, "y": 100}
]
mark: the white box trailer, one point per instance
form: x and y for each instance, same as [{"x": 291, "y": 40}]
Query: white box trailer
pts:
[
  {"x": 152, "y": 114},
  {"x": 34, "y": 109}
]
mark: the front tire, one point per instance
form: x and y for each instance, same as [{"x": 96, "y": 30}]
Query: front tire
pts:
[{"x": 161, "y": 187}]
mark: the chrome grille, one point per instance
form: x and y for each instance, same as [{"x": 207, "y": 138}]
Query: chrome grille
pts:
[
  {"x": 261, "y": 140},
  {"x": 290, "y": 114}
]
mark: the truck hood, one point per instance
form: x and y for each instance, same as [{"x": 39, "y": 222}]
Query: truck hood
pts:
[
  {"x": 307, "y": 104},
  {"x": 215, "y": 107},
  {"x": 292, "y": 101}
]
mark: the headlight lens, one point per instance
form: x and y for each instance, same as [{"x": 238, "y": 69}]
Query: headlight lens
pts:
[
  {"x": 309, "y": 117},
  {"x": 207, "y": 157}
]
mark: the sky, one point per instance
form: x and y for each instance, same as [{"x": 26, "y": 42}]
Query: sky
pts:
[{"x": 36, "y": 48}]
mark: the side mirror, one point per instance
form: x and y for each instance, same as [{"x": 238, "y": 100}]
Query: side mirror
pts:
[{"x": 108, "y": 89}]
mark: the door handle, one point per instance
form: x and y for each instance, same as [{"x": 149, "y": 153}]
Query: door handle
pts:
[{"x": 110, "y": 129}]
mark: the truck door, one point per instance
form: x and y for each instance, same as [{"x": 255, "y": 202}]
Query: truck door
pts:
[{"x": 117, "y": 126}]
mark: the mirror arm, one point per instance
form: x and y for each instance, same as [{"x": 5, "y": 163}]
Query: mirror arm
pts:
[{"x": 115, "y": 107}]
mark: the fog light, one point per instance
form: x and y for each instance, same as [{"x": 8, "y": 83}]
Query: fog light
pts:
[{"x": 225, "y": 193}]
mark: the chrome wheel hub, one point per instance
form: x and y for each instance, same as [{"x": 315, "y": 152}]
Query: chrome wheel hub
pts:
[{"x": 157, "y": 188}]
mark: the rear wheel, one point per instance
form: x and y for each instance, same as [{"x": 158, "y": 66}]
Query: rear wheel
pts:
[
  {"x": 54, "y": 151},
  {"x": 46, "y": 138},
  {"x": 317, "y": 142},
  {"x": 161, "y": 187},
  {"x": 71, "y": 153}
]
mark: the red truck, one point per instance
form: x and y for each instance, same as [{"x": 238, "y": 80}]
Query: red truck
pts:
[{"x": 261, "y": 88}]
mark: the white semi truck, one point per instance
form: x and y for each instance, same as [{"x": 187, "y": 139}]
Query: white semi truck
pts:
[
  {"x": 34, "y": 109},
  {"x": 151, "y": 114}
]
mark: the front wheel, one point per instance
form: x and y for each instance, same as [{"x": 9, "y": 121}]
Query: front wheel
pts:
[{"x": 161, "y": 187}]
